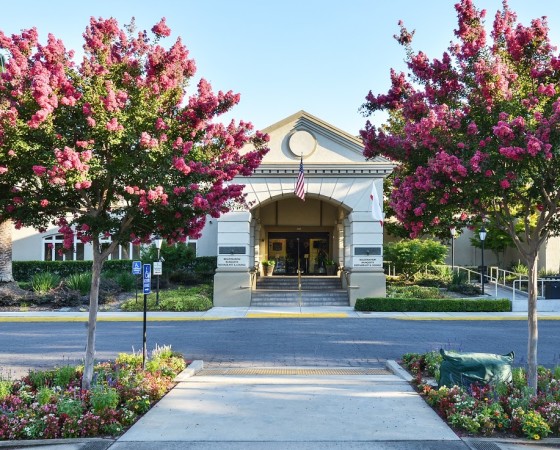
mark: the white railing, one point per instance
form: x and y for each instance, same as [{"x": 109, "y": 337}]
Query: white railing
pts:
[{"x": 541, "y": 294}]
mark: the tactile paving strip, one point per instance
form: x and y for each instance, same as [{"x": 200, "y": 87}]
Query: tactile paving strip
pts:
[{"x": 293, "y": 371}]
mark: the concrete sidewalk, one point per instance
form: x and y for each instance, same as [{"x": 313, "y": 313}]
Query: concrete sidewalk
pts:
[
  {"x": 296, "y": 411},
  {"x": 225, "y": 313}
]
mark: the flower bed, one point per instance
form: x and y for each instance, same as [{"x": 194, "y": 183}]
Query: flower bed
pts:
[
  {"x": 504, "y": 408},
  {"x": 51, "y": 404}
]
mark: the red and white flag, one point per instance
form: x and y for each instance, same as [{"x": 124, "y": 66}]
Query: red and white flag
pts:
[
  {"x": 376, "y": 203},
  {"x": 300, "y": 183}
]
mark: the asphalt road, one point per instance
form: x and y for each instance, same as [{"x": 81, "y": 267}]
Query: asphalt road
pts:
[{"x": 272, "y": 342}]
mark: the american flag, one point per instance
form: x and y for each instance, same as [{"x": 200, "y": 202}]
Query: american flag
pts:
[{"x": 300, "y": 183}]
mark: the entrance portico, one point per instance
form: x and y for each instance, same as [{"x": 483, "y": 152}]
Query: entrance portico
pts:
[{"x": 334, "y": 223}]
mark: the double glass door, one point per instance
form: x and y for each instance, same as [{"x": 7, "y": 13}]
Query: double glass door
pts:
[{"x": 307, "y": 252}]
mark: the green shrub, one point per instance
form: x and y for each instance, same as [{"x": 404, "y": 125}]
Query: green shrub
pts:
[
  {"x": 432, "y": 305},
  {"x": 196, "y": 298},
  {"x": 69, "y": 406},
  {"x": 44, "y": 282},
  {"x": 125, "y": 280},
  {"x": 80, "y": 282},
  {"x": 520, "y": 268},
  {"x": 44, "y": 395},
  {"x": 63, "y": 375},
  {"x": 130, "y": 359},
  {"x": 103, "y": 398},
  {"x": 24, "y": 270},
  {"x": 5, "y": 388},
  {"x": 413, "y": 255},
  {"x": 40, "y": 378},
  {"x": 177, "y": 257},
  {"x": 413, "y": 292},
  {"x": 465, "y": 289}
]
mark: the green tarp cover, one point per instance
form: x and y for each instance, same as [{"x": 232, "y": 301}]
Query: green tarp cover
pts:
[{"x": 463, "y": 369}]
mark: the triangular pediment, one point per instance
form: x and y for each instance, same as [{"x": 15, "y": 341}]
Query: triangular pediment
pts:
[{"x": 318, "y": 142}]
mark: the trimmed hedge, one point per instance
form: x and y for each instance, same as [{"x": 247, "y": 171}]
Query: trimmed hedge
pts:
[
  {"x": 204, "y": 267},
  {"x": 24, "y": 270},
  {"x": 432, "y": 305}
]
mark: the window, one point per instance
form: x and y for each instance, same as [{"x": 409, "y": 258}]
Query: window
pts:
[
  {"x": 53, "y": 249},
  {"x": 192, "y": 244}
]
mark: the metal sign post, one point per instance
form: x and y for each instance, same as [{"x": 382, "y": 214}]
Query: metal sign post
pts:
[{"x": 147, "y": 285}]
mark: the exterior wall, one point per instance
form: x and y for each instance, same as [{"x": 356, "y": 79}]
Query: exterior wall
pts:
[
  {"x": 27, "y": 244},
  {"x": 207, "y": 244}
]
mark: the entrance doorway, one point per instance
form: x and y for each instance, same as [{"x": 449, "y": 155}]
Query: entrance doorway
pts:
[{"x": 310, "y": 249}]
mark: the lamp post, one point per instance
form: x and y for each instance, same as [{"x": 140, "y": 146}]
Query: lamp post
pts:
[
  {"x": 158, "y": 241},
  {"x": 482, "y": 235},
  {"x": 453, "y": 232}
]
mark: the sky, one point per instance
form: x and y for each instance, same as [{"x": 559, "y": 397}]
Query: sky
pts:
[{"x": 282, "y": 56}]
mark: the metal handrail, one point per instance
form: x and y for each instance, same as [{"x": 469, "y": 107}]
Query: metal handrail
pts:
[{"x": 540, "y": 283}]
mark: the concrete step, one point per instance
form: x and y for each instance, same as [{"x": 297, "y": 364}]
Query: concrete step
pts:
[
  {"x": 265, "y": 297},
  {"x": 307, "y": 283}
]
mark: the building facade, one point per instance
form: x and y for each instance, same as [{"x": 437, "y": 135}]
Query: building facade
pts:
[{"x": 334, "y": 222}]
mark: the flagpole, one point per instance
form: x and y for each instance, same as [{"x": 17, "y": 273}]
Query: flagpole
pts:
[{"x": 299, "y": 274}]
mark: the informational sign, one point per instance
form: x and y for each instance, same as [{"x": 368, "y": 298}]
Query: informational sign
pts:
[
  {"x": 158, "y": 267},
  {"x": 136, "y": 267},
  {"x": 233, "y": 261},
  {"x": 147, "y": 278},
  {"x": 367, "y": 261}
]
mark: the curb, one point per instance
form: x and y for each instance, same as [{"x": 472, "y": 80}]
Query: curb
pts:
[
  {"x": 394, "y": 367},
  {"x": 192, "y": 369}
]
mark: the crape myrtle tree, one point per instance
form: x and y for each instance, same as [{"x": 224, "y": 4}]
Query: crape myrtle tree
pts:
[
  {"x": 112, "y": 148},
  {"x": 476, "y": 133}
]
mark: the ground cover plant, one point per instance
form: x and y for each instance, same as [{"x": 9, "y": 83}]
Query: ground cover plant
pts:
[
  {"x": 494, "y": 409},
  {"x": 194, "y": 298},
  {"x": 51, "y": 404}
]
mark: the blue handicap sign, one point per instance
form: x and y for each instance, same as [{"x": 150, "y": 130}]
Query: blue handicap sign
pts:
[
  {"x": 147, "y": 278},
  {"x": 136, "y": 267}
]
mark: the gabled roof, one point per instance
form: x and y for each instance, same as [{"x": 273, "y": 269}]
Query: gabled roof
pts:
[{"x": 302, "y": 120}]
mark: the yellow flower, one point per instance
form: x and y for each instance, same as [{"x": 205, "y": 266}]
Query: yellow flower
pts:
[{"x": 536, "y": 437}]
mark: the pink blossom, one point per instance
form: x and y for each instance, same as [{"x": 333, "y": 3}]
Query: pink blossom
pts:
[
  {"x": 39, "y": 170},
  {"x": 90, "y": 121},
  {"x": 44, "y": 203},
  {"x": 504, "y": 184},
  {"x": 113, "y": 125},
  {"x": 180, "y": 165},
  {"x": 3, "y": 170},
  {"x": 472, "y": 128},
  {"x": 160, "y": 29}
]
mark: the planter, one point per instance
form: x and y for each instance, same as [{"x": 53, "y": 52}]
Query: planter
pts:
[
  {"x": 331, "y": 270},
  {"x": 267, "y": 270}
]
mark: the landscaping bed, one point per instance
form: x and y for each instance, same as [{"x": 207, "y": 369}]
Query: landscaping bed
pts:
[
  {"x": 500, "y": 409},
  {"x": 51, "y": 404}
]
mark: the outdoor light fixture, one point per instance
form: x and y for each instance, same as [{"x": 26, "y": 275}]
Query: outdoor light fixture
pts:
[
  {"x": 453, "y": 232},
  {"x": 158, "y": 241},
  {"x": 482, "y": 235}
]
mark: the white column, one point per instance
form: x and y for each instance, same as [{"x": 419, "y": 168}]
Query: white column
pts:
[
  {"x": 365, "y": 257},
  {"x": 232, "y": 282}
]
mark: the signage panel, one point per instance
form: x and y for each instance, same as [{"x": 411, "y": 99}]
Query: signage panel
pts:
[{"x": 147, "y": 278}]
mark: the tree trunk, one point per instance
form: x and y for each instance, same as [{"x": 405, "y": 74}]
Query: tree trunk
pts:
[
  {"x": 99, "y": 258},
  {"x": 6, "y": 275},
  {"x": 532, "y": 320}
]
